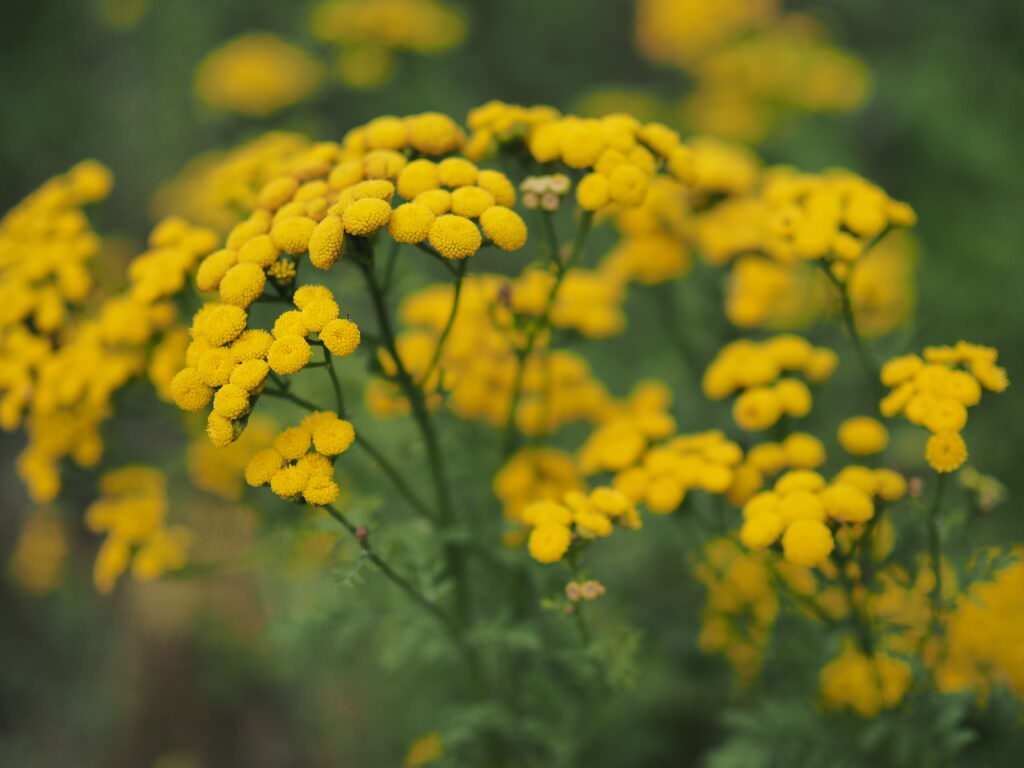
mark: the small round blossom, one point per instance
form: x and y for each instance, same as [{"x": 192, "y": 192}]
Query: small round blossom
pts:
[
  {"x": 340, "y": 336},
  {"x": 327, "y": 241},
  {"x": 334, "y": 437},
  {"x": 292, "y": 235},
  {"x": 189, "y": 391},
  {"x": 366, "y": 216},
  {"x": 289, "y": 354},
  {"x": 260, "y": 250},
  {"x": 593, "y": 192},
  {"x": 242, "y": 284},
  {"x": 293, "y": 443},
  {"x": 863, "y": 436},
  {"x": 263, "y": 466},
  {"x": 548, "y": 542},
  {"x": 946, "y": 451},
  {"x": 455, "y": 237},
  {"x": 504, "y": 227},
  {"x": 807, "y": 543},
  {"x": 410, "y": 222}
]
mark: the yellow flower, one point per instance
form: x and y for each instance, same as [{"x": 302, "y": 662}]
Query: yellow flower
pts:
[
  {"x": 761, "y": 530},
  {"x": 231, "y": 401},
  {"x": 292, "y": 235},
  {"x": 366, "y": 216},
  {"x": 189, "y": 391},
  {"x": 803, "y": 451},
  {"x": 946, "y": 451},
  {"x": 220, "y": 323},
  {"x": 593, "y": 192},
  {"x": 410, "y": 222},
  {"x": 456, "y": 172},
  {"x": 290, "y": 481},
  {"x": 250, "y": 374},
  {"x": 504, "y": 227},
  {"x": 340, "y": 336},
  {"x": 757, "y": 409},
  {"x": 327, "y": 241},
  {"x": 263, "y": 466},
  {"x": 289, "y": 354},
  {"x": 548, "y": 542},
  {"x": 455, "y": 237},
  {"x": 847, "y": 503},
  {"x": 333, "y": 437},
  {"x": 256, "y": 74},
  {"x": 863, "y": 436},
  {"x": 807, "y": 542},
  {"x": 242, "y": 284}
]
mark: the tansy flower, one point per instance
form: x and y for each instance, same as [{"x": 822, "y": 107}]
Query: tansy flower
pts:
[
  {"x": 454, "y": 237},
  {"x": 333, "y": 437},
  {"x": 189, "y": 391},
  {"x": 807, "y": 542},
  {"x": 289, "y": 354},
  {"x": 292, "y": 235},
  {"x": 548, "y": 542},
  {"x": 946, "y": 451},
  {"x": 504, "y": 227},
  {"x": 340, "y": 336},
  {"x": 410, "y": 222},
  {"x": 863, "y": 436},
  {"x": 326, "y": 242},
  {"x": 242, "y": 284},
  {"x": 366, "y": 216}
]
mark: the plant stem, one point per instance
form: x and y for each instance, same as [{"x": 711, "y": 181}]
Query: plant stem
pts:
[
  {"x": 935, "y": 546},
  {"x": 542, "y": 323},
  {"x": 443, "y": 497},
  {"x": 339, "y": 398},
  {"x": 867, "y": 359},
  {"x": 460, "y": 273},
  {"x": 291, "y": 398}
]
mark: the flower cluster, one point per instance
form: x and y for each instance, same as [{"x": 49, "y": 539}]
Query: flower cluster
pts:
[
  {"x": 936, "y": 389},
  {"x": 801, "y": 505},
  {"x": 299, "y": 465},
  {"x": 62, "y": 365},
  {"x": 757, "y": 369},
  {"x": 228, "y": 364},
  {"x": 864, "y": 684},
  {"x": 132, "y": 512},
  {"x": 369, "y": 32},
  {"x": 576, "y": 519},
  {"x": 752, "y": 66},
  {"x": 535, "y": 474}
]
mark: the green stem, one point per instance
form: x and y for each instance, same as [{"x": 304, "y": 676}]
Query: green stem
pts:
[
  {"x": 339, "y": 398},
  {"x": 542, "y": 323},
  {"x": 435, "y": 459},
  {"x": 867, "y": 359},
  {"x": 935, "y": 547},
  {"x": 460, "y": 273},
  {"x": 280, "y": 393}
]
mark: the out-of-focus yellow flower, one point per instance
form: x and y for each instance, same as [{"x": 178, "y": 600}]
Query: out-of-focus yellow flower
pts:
[{"x": 257, "y": 74}]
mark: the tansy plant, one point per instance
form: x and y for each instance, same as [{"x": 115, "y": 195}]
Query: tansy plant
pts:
[{"x": 480, "y": 407}]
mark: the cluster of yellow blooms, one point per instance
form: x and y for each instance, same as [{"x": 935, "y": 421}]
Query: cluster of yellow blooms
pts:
[
  {"x": 369, "y": 32},
  {"x": 757, "y": 369},
  {"x": 833, "y": 215},
  {"x": 867, "y": 685},
  {"x": 578, "y": 517},
  {"x": 299, "y": 465},
  {"x": 984, "y": 635},
  {"x": 535, "y": 474},
  {"x": 479, "y": 358},
  {"x": 220, "y": 471},
  {"x": 801, "y": 505},
  {"x": 228, "y": 364},
  {"x": 212, "y": 188},
  {"x": 256, "y": 74},
  {"x": 752, "y": 66},
  {"x": 936, "y": 391},
  {"x": 61, "y": 367},
  {"x": 132, "y": 512},
  {"x": 741, "y": 605}
]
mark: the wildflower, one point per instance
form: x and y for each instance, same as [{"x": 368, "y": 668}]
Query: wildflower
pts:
[
  {"x": 411, "y": 222},
  {"x": 863, "y": 436},
  {"x": 333, "y": 437},
  {"x": 807, "y": 542},
  {"x": 549, "y": 542},
  {"x": 455, "y": 237},
  {"x": 326, "y": 243},
  {"x": 946, "y": 451},
  {"x": 504, "y": 227},
  {"x": 289, "y": 354},
  {"x": 292, "y": 235},
  {"x": 366, "y": 216}
]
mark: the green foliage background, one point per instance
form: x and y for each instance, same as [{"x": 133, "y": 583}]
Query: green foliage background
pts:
[{"x": 333, "y": 682}]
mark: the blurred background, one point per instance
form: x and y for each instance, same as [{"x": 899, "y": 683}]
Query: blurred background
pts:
[{"x": 257, "y": 669}]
